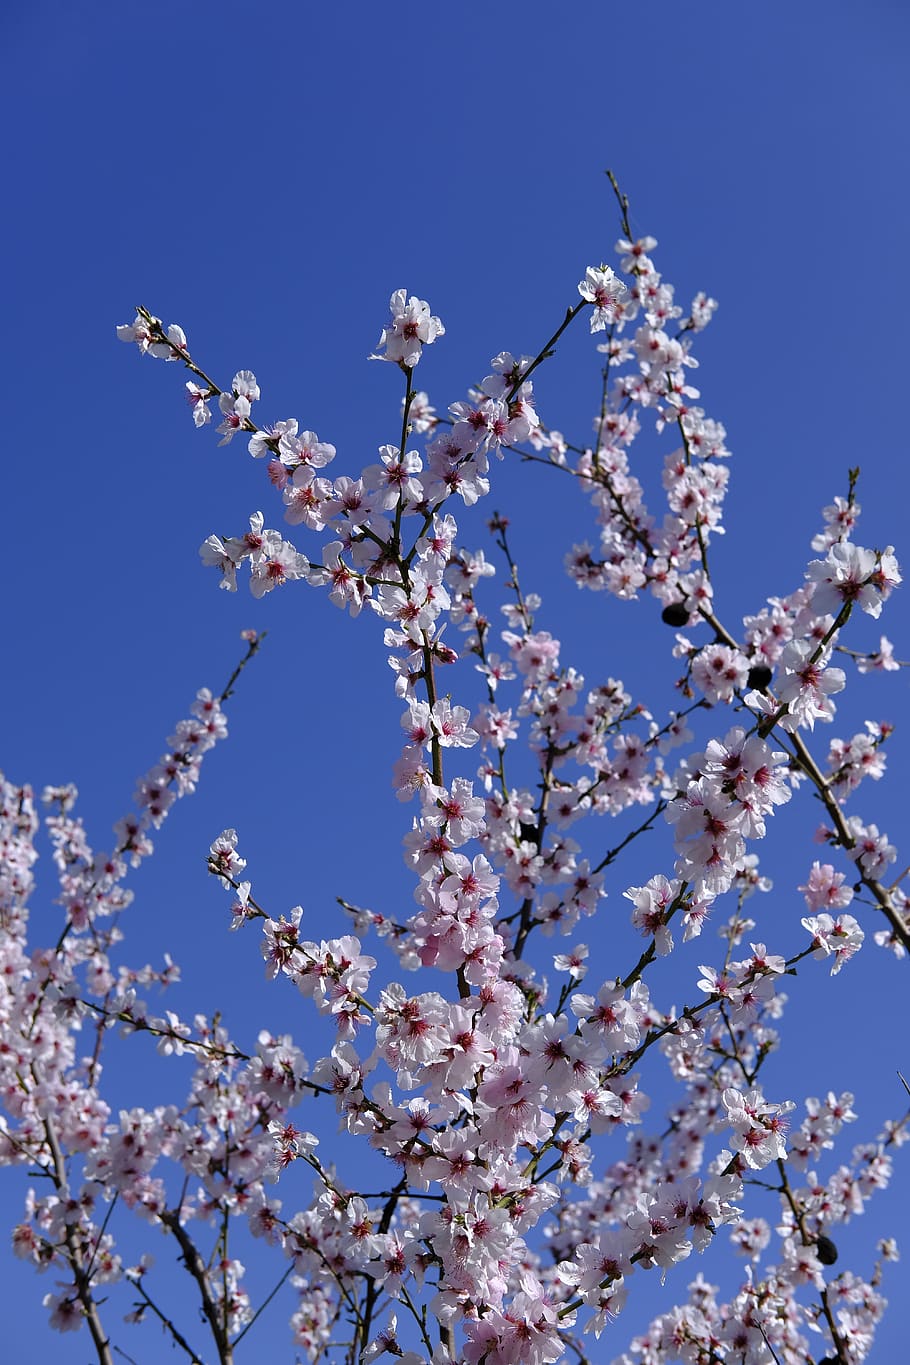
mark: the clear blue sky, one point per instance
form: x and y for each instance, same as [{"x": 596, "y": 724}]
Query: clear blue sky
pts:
[{"x": 266, "y": 176}]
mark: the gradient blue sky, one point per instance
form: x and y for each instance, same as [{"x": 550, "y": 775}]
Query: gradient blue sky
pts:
[{"x": 266, "y": 177}]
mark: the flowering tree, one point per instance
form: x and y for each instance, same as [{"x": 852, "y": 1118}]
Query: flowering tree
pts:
[{"x": 522, "y": 1195}]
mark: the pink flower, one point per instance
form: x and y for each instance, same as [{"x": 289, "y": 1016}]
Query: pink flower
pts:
[
  {"x": 410, "y": 328},
  {"x": 841, "y": 937}
]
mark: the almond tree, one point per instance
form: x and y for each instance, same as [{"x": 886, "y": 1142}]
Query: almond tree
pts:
[{"x": 527, "y": 1191}]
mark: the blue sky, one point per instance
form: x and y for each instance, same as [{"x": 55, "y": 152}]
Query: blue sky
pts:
[{"x": 266, "y": 179}]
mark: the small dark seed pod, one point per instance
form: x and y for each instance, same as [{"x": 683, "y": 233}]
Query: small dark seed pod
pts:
[
  {"x": 825, "y": 1250},
  {"x": 675, "y": 614},
  {"x": 759, "y": 677}
]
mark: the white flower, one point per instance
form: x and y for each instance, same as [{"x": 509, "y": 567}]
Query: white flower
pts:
[
  {"x": 601, "y": 287},
  {"x": 410, "y": 328}
]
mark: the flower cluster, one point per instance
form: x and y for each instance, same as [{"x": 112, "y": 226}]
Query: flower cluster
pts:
[{"x": 524, "y": 1190}]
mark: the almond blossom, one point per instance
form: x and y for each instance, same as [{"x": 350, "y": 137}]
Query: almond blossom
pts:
[{"x": 527, "y": 1170}]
